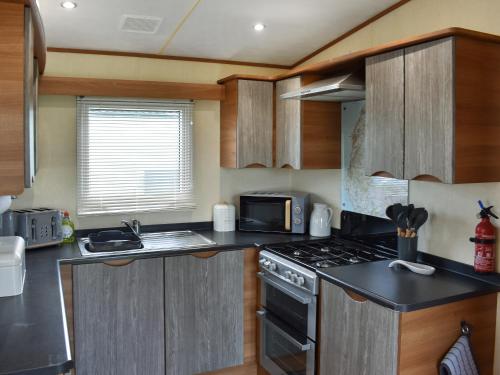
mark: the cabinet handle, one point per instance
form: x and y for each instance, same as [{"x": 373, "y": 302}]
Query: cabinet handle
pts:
[
  {"x": 118, "y": 262},
  {"x": 354, "y": 296},
  {"x": 426, "y": 177},
  {"x": 383, "y": 174},
  {"x": 205, "y": 254}
]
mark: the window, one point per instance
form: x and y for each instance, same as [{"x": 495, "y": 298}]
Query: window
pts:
[{"x": 134, "y": 155}]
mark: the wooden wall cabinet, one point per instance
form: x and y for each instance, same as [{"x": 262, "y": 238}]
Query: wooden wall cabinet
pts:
[
  {"x": 204, "y": 323},
  {"x": 18, "y": 80},
  {"x": 308, "y": 133},
  {"x": 451, "y": 111},
  {"x": 119, "y": 318},
  {"x": 247, "y": 124},
  {"x": 359, "y": 336},
  {"x": 384, "y": 138}
]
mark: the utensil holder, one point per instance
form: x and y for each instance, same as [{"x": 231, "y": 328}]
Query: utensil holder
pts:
[{"x": 407, "y": 248}]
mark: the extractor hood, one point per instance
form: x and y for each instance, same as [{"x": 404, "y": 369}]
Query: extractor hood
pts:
[{"x": 341, "y": 88}]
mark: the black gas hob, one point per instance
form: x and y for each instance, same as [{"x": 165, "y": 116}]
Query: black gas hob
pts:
[
  {"x": 330, "y": 253},
  {"x": 362, "y": 238}
]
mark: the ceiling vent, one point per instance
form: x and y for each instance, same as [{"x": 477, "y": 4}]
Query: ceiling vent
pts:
[{"x": 140, "y": 24}]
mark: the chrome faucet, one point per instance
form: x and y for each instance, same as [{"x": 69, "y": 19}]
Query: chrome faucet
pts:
[{"x": 135, "y": 227}]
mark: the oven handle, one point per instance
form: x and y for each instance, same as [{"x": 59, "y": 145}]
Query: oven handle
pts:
[
  {"x": 303, "y": 300},
  {"x": 261, "y": 314}
]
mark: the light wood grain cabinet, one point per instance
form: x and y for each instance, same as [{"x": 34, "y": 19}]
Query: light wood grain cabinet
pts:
[
  {"x": 204, "y": 323},
  {"x": 247, "y": 124},
  {"x": 119, "y": 318},
  {"x": 385, "y": 127},
  {"x": 308, "y": 133},
  {"x": 357, "y": 337},
  {"x": 448, "y": 90}
]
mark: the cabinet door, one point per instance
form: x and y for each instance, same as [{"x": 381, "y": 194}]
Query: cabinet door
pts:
[
  {"x": 203, "y": 312},
  {"x": 288, "y": 125},
  {"x": 357, "y": 336},
  {"x": 119, "y": 319},
  {"x": 255, "y": 124},
  {"x": 384, "y": 140},
  {"x": 429, "y": 113}
]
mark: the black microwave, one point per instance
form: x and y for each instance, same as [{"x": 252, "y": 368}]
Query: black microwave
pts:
[{"x": 274, "y": 212}]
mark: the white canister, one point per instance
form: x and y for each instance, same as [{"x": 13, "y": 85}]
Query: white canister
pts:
[
  {"x": 321, "y": 220},
  {"x": 224, "y": 217}
]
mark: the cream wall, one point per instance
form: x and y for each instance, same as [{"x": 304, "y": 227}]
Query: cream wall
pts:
[
  {"x": 419, "y": 17},
  {"x": 55, "y": 184}
]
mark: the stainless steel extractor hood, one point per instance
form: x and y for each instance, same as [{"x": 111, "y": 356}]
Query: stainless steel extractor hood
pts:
[{"x": 342, "y": 88}]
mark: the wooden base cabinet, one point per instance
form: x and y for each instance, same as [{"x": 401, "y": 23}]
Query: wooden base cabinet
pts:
[
  {"x": 433, "y": 112},
  {"x": 119, "y": 318},
  {"x": 308, "y": 133},
  {"x": 204, "y": 322},
  {"x": 361, "y": 337}
]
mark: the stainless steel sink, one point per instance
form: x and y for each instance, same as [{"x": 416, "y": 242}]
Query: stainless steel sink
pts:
[{"x": 157, "y": 241}]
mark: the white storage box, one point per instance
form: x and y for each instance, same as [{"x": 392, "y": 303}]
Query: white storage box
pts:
[{"x": 12, "y": 266}]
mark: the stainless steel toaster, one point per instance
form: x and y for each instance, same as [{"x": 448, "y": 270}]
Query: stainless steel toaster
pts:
[{"x": 38, "y": 226}]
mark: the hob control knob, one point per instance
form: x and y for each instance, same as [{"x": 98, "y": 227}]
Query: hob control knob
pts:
[
  {"x": 300, "y": 281},
  {"x": 293, "y": 277},
  {"x": 267, "y": 263},
  {"x": 297, "y": 210},
  {"x": 272, "y": 266},
  {"x": 297, "y": 221},
  {"x": 288, "y": 274},
  {"x": 262, "y": 260}
]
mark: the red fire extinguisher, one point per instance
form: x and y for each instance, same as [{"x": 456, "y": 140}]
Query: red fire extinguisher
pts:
[{"x": 485, "y": 240}]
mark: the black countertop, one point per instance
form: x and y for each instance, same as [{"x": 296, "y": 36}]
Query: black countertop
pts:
[
  {"x": 34, "y": 336},
  {"x": 403, "y": 290},
  {"x": 33, "y": 332}
]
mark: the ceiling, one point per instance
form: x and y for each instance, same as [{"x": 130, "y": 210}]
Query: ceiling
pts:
[{"x": 214, "y": 29}]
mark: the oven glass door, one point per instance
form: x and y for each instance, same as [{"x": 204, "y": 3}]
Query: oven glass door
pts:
[
  {"x": 284, "y": 351},
  {"x": 294, "y": 307},
  {"x": 265, "y": 214}
]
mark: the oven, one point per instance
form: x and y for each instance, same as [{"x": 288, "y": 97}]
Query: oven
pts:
[
  {"x": 274, "y": 212},
  {"x": 287, "y": 317}
]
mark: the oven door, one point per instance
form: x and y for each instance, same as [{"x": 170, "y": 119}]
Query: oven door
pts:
[
  {"x": 284, "y": 351},
  {"x": 265, "y": 214},
  {"x": 294, "y": 306}
]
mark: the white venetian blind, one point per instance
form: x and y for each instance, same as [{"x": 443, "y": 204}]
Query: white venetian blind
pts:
[{"x": 134, "y": 155}]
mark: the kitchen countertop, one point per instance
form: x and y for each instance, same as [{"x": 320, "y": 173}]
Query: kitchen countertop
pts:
[
  {"x": 33, "y": 332},
  {"x": 403, "y": 290},
  {"x": 34, "y": 336}
]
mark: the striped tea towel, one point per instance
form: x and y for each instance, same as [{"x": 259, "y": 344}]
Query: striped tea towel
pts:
[{"x": 459, "y": 359}]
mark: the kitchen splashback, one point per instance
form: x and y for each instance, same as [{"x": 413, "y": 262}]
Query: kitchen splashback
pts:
[{"x": 359, "y": 193}]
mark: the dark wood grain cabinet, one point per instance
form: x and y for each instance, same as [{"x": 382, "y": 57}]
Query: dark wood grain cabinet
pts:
[
  {"x": 247, "y": 124},
  {"x": 385, "y": 100},
  {"x": 308, "y": 133},
  {"x": 359, "y": 336},
  {"x": 433, "y": 111},
  {"x": 204, "y": 323},
  {"x": 119, "y": 318}
]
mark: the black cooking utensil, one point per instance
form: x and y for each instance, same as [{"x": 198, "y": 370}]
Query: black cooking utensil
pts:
[
  {"x": 393, "y": 211},
  {"x": 418, "y": 217}
]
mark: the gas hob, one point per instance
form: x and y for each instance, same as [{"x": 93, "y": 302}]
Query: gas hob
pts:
[{"x": 333, "y": 252}]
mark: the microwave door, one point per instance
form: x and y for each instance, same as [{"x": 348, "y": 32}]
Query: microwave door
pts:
[{"x": 265, "y": 214}]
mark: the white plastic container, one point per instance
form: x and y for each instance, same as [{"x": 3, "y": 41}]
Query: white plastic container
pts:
[
  {"x": 224, "y": 217},
  {"x": 12, "y": 266}
]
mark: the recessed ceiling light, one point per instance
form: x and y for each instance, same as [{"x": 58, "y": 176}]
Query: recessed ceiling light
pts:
[
  {"x": 259, "y": 27},
  {"x": 68, "y": 5}
]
